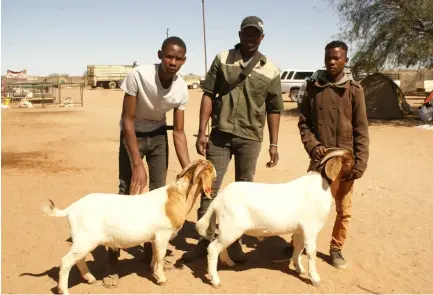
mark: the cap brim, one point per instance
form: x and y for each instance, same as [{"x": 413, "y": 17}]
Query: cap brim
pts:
[{"x": 254, "y": 26}]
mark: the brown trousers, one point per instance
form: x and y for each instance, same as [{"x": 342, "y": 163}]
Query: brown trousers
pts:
[{"x": 343, "y": 206}]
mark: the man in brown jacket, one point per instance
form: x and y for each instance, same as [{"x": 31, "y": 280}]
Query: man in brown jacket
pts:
[{"x": 333, "y": 114}]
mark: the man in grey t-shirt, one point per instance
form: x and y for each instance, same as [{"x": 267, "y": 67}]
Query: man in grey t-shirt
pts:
[{"x": 150, "y": 92}]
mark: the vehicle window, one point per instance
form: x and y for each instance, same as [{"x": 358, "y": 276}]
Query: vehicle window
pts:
[
  {"x": 283, "y": 76},
  {"x": 290, "y": 75},
  {"x": 302, "y": 75}
]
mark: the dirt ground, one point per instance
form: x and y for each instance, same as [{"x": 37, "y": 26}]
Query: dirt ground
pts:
[{"x": 64, "y": 154}]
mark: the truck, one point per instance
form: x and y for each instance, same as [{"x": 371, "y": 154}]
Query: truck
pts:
[
  {"x": 107, "y": 76},
  {"x": 192, "y": 81}
]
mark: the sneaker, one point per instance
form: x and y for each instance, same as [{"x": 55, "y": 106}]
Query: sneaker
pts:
[
  {"x": 200, "y": 251},
  {"x": 283, "y": 256},
  {"x": 235, "y": 252},
  {"x": 337, "y": 258}
]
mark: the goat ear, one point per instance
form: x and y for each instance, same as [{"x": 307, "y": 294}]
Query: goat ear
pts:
[
  {"x": 333, "y": 167},
  {"x": 200, "y": 167},
  {"x": 206, "y": 182}
]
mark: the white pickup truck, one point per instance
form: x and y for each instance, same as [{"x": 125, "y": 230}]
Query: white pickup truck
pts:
[{"x": 292, "y": 79}]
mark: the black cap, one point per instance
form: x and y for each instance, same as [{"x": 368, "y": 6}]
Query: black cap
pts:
[{"x": 252, "y": 21}]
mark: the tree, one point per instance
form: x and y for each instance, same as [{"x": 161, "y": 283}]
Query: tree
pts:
[{"x": 388, "y": 32}]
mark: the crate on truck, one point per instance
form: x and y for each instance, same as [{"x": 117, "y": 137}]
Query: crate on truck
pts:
[{"x": 107, "y": 76}]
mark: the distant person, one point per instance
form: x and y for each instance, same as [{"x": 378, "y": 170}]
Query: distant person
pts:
[
  {"x": 426, "y": 109},
  {"x": 150, "y": 92},
  {"x": 333, "y": 114},
  {"x": 239, "y": 112}
]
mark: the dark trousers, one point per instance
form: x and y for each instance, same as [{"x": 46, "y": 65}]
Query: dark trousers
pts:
[
  {"x": 221, "y": 147},
  {"x": 152, "y": 145}
]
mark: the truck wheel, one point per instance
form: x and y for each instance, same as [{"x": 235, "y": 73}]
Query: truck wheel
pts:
[
  {"x": 93, "y": 87},
  {"x": 294, "y": 94},
  {"x": 112, "y": 85},
  {"x": 194, "y": 85}
]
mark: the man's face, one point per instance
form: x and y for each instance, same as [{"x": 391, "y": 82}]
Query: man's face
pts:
[
  {"x": 250, "y": 39},
  {"x": 172, "y": 58},
  {"x": 335, "y": 60}
]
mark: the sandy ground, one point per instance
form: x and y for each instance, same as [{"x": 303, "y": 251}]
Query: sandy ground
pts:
[{"x": 64, "y": 154}]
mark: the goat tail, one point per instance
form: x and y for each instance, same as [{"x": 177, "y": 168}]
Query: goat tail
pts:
[
  {"x": 203, "y": 223},
  {"x": 51, "y": 210}
]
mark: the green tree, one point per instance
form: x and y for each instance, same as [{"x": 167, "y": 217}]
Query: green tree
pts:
[{"x": 388, "y": 32}]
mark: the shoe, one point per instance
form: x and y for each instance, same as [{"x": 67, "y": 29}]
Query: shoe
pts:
[
  {"x": 235, "y": 252},
  {"x": 284, "y": 256},
  {"x": 200, "y": 251},
  {"x": 337, "y": 258}
]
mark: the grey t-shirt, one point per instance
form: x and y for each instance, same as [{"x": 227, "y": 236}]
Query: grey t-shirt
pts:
[{"x": 153, "y": 101}]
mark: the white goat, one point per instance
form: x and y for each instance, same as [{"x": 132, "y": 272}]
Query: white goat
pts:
[
  {"x": 300, "y": 206},
  {"x": 123, "y": 221}
]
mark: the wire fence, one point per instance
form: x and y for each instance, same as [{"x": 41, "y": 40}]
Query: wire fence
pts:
[{"x": 43, "y": 94}]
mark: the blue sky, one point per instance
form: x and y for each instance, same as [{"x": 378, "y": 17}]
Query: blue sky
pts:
[{"x": 61, "y": 36}]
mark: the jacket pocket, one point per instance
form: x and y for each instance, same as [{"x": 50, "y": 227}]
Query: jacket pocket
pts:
[{"x": 257, "y": 87}]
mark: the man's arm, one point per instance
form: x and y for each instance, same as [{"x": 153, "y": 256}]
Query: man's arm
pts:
[
  {"x": 139, "y": 174},
  {"x": 361, "y": 139},
  {"x": 274, "y": 107},
  {"x": 205, "y": 112},
  {"x": 179, "y": 137},
  {"x": 128, "y": 129},
  {"x": 210, "y": 88},
  {"x": 305, "y": 126},
  {"x": 273, "y": 126}
]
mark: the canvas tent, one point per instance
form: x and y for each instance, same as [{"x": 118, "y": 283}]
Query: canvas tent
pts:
[{"x": 383, "y": 98}]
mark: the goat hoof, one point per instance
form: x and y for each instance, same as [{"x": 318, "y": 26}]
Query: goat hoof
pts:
[
  {"x": 315, "y": 283},
  {"x": 216, "y": 285},
  {"x": 300, "y": 270},
  {"x": 90, "y": 278},
  {"x": 161, "y": 283},
  {"x": 60, "y": 291}
]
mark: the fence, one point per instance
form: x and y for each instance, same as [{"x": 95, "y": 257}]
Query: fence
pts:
[
  {"x": 44, "y": 94},
  {"x": 410, "y": 80}
]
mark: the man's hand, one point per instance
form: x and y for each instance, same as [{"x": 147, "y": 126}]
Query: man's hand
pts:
[
  {"x": 201, "y": 144},
  {"x": 318, "y": 152},
  {"x": 138, "y": 180},
  {"x": 273, "y": 153},
  {"x": 355, "y": 174}
]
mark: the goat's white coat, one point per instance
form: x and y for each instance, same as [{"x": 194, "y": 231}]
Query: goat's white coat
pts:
[
  {"x": 119, "y": 221},
  {"x": 300, "y": 206},
  {"x": 123, "y": 221}
]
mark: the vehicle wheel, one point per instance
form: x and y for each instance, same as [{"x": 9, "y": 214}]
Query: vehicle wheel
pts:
[
  {"x": 294, "y": 94},
  {"x": 112, "y": 85},
  {"x": 93, "y": 87},
  {"x": 194, "y": 85}
]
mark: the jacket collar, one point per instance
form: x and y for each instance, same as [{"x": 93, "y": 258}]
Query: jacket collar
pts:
[{"x": 322, "y": 81}]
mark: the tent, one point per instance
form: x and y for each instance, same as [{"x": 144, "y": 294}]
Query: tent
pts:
[{"x": 383, "y": 98}]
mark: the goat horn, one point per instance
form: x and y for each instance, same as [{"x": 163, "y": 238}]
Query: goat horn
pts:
[
  {"x": 199, "y": 169},
  {"x": 333, "y": 153},
  {"x": 191, "y": 164}
]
